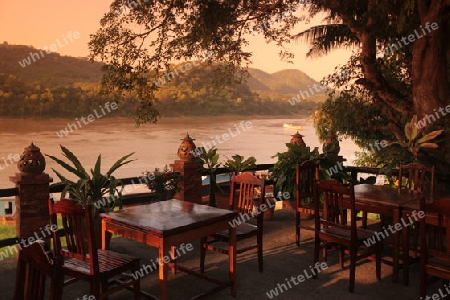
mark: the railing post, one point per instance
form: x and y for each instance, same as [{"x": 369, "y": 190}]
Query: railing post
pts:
[
  {"x": 190, "y": 169},
  {"x": 191, "y": 183},
  {"x": 32, "y": 219}
]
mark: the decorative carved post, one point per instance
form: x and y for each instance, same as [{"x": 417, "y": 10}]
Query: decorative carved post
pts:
[
  {"x": 32, "y": 200},
  {"x": 298, "y": 140},
  {"x": 190, "y": 169},
  {"x": 331, "y": 141}
]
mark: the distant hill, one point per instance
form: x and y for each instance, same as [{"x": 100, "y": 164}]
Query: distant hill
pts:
[
  {"x": 36, "y": 67},
  {"x": 34, "y": 83},
  {"x": 289, "y": 81},
  {"x": 53, "y": 69}
]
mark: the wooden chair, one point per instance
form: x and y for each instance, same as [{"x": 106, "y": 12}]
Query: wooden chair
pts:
[
  {"x": 242, "y": 197},
  {"x": 35, "y": 264},
  {"x": 305, "y": 177},
  {"x": 434, "y": 242},
  {"x": 332, "y": 229},
  {"x": 83, "y": 260},
  {"x": 416, "y": 178}
]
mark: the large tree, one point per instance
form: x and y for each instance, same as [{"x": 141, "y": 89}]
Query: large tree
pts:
[{"x": 138, "y": 41}]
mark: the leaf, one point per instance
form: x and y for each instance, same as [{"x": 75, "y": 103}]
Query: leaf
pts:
[
  {"x": 429, "y": 136},
  {"x": 119, "y": 163},
  {"x": 411, "y": 129},
  {"x": 97, "y": 166},
  {"x": 429, "y": 145},
  {"x": 73, "y": 159},
  {"x": 68, "y": 167}
]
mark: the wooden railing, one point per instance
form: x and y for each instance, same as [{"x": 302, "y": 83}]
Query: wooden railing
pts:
[{"x": 141, "y": 198}]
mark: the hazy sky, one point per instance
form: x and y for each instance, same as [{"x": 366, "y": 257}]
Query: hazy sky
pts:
[{"x": 41, "y": 23}]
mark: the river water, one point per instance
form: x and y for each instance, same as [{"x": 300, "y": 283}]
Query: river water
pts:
[{"x": 155, "y": 145}]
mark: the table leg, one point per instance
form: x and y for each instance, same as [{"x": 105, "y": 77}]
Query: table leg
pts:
[
  {"x": 396, "y": 237},
  {"x": 232, "y": 260},
  {"x": 163, "y": 270},
  {"x": 405, "y": 244},
  {"x": 104, "y": 244}
]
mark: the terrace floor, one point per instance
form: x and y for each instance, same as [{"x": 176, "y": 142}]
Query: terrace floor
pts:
[{"x": 282, "y": 260}]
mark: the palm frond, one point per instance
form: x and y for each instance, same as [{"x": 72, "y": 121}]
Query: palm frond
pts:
[
  {"x": 324, "y": 38},
  {"x": 119, "y": 163}
]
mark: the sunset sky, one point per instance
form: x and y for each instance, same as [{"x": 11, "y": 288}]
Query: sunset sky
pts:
[{"x": 42, "y": 23}]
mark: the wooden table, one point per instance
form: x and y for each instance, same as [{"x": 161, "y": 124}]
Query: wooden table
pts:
[
  {"x": 170, "y": 223},
  {"x": 388, "y": 202}
]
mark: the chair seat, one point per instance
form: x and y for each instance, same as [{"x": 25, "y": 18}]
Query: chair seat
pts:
[
  {"x": 243, "y": 230},
  {"x": 108, "y": 261},
  {"x": 440, "y": 264},
  {"x": 363, "y": 234}
]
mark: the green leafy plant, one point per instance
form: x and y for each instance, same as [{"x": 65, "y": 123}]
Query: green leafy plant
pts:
[
  {"x": 102, "y": 191},
  {"x": 284, "y": 170},
  {"x": 164, "y": 183},
  {"x": 413, "y": 142},
  {"x": 238, "y": 164},
  {"x": 210, "y": 162}
]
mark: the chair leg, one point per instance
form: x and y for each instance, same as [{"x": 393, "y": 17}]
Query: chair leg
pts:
[
  {"x": 95, "y": 289},
  {"x": 378, "y": 260},
  {"x": 316, "y": 252},
  {"x": 174, "y": 268},
  {"x": 297, "y": 228},
  {"x": 137, "y": 284},
  {"x": 341, "y": 256},
  {"x": 364, "y": 219},
  {"x": 202, "y": 254},
  {"x": 423, "y": 285},
  {"x": 260, "y": 252},
  {"x": 353, "y": 255}
]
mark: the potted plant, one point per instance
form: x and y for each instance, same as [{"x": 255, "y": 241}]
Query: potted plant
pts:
[
  {"x": 164, "y": 183},
  {"x": 102, "y": 191},
  {"x": 238, "y": 164},
  {"x": 284, "y": 170},
  {"x": 210, "y": 162}
]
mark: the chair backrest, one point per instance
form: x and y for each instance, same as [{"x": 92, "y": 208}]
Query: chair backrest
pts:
[
  {"x": 435, "y": 228},
  {"x": 246, "y": 188},
  {"x": 35, "y": 264},
  {"x": 78, "y": 226},
  {"x": 334, "y": 210},
  {"x": 416, "y": 177},
  {"x": 306, "y": 176}
]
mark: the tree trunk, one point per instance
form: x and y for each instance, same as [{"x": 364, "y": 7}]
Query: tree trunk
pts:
[
  {"x": 429, "y": 68},
  {"x": 430, "y": 77}
]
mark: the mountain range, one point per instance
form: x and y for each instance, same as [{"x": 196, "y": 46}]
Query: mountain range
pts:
[{"x": 35, "y": 66}]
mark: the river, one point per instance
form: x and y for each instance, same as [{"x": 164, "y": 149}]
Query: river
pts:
[{"x": 155, "y": 145}]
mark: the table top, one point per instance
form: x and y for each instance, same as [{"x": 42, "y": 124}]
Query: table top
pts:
[
  {"x": 384, "y": 195},
  {"x": 168, "y": 217}
]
